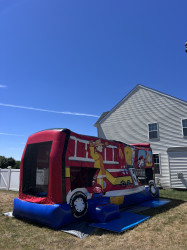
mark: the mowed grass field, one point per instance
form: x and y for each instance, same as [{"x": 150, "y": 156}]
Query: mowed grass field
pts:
[{"x": 167, "y": 229}]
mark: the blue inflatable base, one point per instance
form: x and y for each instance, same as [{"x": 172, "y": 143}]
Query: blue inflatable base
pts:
[
  {"x": 54, "y": 216},
  {"x": 137, "y": 198},
  {"x": 104, "y": 212},
  {"x": 124, "y": 222},
  {"x": 100, "y": 210}
]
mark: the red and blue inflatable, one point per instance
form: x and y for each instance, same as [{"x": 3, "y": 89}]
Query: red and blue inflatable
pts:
[{"x": 65, "y": 177}]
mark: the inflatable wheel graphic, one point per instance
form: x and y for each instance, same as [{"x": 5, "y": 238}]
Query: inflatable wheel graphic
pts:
[
  {"x": 79, "y": 204},
  {"x": 128, "y": 183},
  {"x": 152, "y": 189},
  {"x": 123, "y": 183}
]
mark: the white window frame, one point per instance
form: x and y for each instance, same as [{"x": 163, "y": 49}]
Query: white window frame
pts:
[
  {"x": 151, "y": 139},
  {"x": 185, "y": 136},
  {"x": 159, "y": 157}
]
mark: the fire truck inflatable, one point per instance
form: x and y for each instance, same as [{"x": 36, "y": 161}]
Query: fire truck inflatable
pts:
[{"x": 66, "y": 177}]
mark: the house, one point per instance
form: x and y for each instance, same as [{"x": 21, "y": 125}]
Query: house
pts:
[{"x": 149, "y": 116}]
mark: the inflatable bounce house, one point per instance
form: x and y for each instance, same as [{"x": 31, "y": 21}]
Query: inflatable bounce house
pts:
[{"x": 65, "y": 177}]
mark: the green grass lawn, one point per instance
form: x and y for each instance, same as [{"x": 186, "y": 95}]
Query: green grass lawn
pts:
[
  {"x": 166, "y": 229},
  {"x": 173, "y": 194}
]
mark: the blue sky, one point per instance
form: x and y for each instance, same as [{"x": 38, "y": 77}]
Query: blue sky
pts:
[{"x": 83, "y": 57}]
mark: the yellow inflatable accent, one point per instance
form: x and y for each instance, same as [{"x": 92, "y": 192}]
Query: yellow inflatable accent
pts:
[
  {"x": 128, "y": 155},
  {"x": 148, "y": 164},
  {"x": 67, "y": 171},
  {"x": 117, "y": 200},
  {"x": 117, "y": 180},
  {"x": 148, "y": 161}
]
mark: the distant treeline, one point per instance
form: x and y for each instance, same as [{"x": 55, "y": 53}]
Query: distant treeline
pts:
[{"x": 9, "y": 162}]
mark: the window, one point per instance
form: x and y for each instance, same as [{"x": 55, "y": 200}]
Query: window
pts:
[
  {"x": 156, "y": 159},
  {"x": 153, "y": 130},
  {"x": 184, "y": 125},
  {"x": 82, "y": 177},
  {"x": 144, "y": 175},
  {"x": 36, "y": 169}
]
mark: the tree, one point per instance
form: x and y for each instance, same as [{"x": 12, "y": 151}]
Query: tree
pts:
[
  {"x": 6, "y": 162},
  {"x": 3, "y": 162},
  {"x": 11, "y": 162},
  {"x": 17, "y": 165}
]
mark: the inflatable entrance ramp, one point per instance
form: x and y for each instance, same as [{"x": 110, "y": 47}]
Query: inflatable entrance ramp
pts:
[
  {"x": 128, "y": 219},
  {"x": 124, "y": 222}
]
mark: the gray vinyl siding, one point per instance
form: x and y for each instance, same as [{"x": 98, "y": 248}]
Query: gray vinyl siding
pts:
[{"x": 128, "y": 122}]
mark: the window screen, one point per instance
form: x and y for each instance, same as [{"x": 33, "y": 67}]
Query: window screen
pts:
[
  {"x": 153, "y": 130},
  {"x": 156, "y": 159},
  {"x": 144, "y": 175},
  {"x": 82, "y": 177},
  {"x": 36, "y": 169},
  {"x": 184, "y": 125}
]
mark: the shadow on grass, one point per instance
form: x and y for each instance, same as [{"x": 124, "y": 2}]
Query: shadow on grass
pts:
[
  {"x": 33, "y": 224},
  {"x": 162, "y": 209}
]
